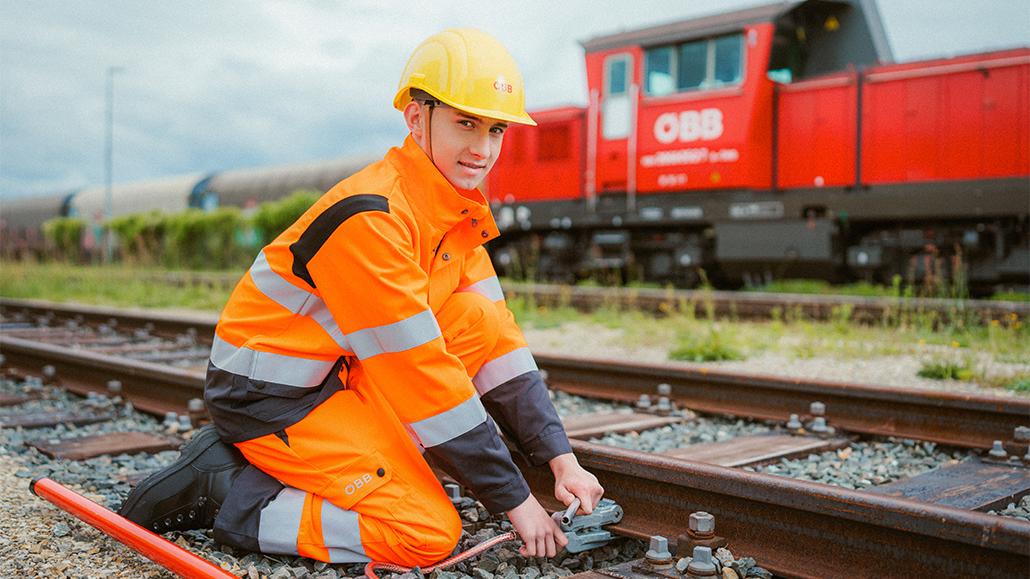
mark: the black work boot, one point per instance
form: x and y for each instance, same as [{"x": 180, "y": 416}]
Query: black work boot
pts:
[{"x": 188, "y": 493}]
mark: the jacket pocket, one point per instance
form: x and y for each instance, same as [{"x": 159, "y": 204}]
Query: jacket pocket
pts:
[{"x": 357, "y": 479}]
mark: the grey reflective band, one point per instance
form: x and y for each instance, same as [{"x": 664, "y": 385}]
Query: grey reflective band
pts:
[
  {"x": 503, "y": 368},
  {"x": 489, "y": 288},
  {"x": 451, "y": 423},
  {"x": 295, "y": 299},
  {"x": 406, "y": 334},
  {"x": 269, "y": 367},
  {"x": 341, "y": 535},
  {"x": 279, "y": 523},
  {"x": 275, "y": 287}
]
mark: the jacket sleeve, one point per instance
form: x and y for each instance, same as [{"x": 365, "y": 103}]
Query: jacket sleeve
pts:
[
  {"x": 367, "y": 272},
  {"x": 511, "y": 387}
]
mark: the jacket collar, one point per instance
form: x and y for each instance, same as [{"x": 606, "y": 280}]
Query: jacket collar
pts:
[{"x": 431, "y": 194}]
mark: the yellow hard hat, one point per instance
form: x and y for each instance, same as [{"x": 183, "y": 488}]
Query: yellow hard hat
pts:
[{"x": 469, "y": 70}]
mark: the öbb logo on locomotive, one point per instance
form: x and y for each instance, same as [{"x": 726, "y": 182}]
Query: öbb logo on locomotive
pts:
[{"x": 688, "y": 126}]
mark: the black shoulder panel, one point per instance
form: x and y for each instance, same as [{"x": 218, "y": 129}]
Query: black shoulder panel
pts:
[{"x": 315, "y": 236}]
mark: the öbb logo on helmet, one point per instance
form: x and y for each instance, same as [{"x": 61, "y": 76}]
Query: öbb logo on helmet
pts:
[{"x": 501, "y": 85}]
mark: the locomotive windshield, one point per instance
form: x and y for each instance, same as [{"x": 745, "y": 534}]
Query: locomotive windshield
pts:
[{"x": 695, "y": 65}]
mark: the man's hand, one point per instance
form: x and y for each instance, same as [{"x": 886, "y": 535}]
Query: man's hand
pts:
[
  {"x": 539, "y": 532},
  {"x": 572, "y": 481}
]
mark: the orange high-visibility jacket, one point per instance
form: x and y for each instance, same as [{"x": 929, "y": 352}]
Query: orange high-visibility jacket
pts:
[{"x": 351, "y": 289}]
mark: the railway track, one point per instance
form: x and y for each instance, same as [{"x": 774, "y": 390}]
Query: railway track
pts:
[
  {"x": 722, "y": 304},
  {"x": 795, "y": 528}
]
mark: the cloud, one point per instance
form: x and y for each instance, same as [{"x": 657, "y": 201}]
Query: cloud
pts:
[{"x": 211, "y": 86}]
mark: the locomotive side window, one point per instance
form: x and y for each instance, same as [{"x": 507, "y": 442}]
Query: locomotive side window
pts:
[
  {"x": 659, "y": 71},
  {"x": 615, "y": 109},
  {"x": 728, "y": 59},
  {"x": 695, "y": 65}
]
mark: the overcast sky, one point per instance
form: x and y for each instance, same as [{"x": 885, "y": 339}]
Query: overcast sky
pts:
[{"x": 215, "y": 85}]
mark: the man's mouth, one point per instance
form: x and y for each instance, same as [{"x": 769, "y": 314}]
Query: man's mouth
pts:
[{"x": 471, "y": 165}]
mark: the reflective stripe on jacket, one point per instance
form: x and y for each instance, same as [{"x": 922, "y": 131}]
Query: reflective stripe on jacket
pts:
[{"x": 356, "y": 280}]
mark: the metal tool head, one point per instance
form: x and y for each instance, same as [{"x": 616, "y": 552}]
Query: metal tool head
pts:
[{"x": 586, "y": 532}]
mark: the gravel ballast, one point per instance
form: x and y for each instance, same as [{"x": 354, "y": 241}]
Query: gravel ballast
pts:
[{"x": 38, "y": 539}]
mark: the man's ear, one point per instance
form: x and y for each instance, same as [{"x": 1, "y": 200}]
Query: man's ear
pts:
[{"x": 413, "y": 117}]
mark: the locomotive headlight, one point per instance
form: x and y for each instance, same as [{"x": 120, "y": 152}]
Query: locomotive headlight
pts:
[
  {"x": 522, "y": 213},
  {"x": 686, "y": 260},
  {"x": 505, "y": 217},
  {"x": 862, "y": 258}
]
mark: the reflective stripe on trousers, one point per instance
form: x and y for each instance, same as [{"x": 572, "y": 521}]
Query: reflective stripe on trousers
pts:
[{"x": 281, "y": 522}]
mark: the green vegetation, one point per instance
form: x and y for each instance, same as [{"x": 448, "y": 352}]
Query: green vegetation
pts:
[
  {"x": 1011, "y": 297},
  {"x": 818, "y": 286},
  {"x": 273, "y": 217},
  {"x": 938, "y": 369},
  {"x": 63, "y": 235},
  {"x": 225, "y": 238},
  {"x": 105, "y": 285},
  {"x": 710, "y": 347},
  {"x": 958, "y": 346}
]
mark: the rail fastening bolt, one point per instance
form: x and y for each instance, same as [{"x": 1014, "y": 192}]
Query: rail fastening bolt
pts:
[
  {"x": 817, "y": 409},
  {"x": 819, "y": 425},
  {"x": 114, "y": 387},
  {"x": 701, "y": 523},
  {"x": 664, "y": 390},
  {"x": 195, "y": 405},
  {"x": 658, "y": 553},
  {"x": 644, "y": 402},
  {"x": 702, "y": 564},
  {"x": 171, "y": 418},
  {"x": 185, "y": 423},
  {"x": 1020, "y": 434},
  {"x": 453, "y": 492},
  {"x": 998, "y": 450},
  {"x": 664, "y": 406},
  {"x": 794, "y": 423},
  {"x": 49, "y": 371}
]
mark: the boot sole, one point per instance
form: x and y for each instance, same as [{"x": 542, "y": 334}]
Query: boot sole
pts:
[{"x": 188, "y": 453}]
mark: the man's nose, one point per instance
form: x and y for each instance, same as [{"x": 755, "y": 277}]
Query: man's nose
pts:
[{"x": 480, "y": 145}]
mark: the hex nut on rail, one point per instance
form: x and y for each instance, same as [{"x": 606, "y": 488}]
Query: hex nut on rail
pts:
[
  {"x": 702, "y": 564},
  {"x": 658, "y": 555}
]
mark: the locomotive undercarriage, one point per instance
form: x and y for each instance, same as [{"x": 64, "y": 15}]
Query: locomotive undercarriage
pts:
[{"x": 846, "y": 236}]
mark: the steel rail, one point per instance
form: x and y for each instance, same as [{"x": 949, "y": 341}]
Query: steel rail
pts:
[
  {"x": 964, "y": 420},
  {"x": 794, "y": 528},
  {"x": 152, "y": 388},
  {"x": 746, "y": 305},
  {"x": 160, "y": 323},
  {"x": 797, "y": 528}
]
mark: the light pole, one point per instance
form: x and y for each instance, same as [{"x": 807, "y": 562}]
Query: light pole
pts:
[{"x": 108, "y": 154}]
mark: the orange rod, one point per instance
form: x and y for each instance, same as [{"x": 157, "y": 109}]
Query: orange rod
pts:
[{"x": 152, "y": 546}]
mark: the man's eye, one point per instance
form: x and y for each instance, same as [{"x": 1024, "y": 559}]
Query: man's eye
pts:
[
  {"x": 465, "y": 123},
  {"x": 497, "y": 130}
]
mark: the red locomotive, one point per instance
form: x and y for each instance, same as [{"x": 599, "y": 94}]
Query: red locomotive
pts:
[{"x": 771, "y": 142}]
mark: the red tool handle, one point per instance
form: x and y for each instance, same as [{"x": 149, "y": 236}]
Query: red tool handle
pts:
[{"x": 152, "y": 546}]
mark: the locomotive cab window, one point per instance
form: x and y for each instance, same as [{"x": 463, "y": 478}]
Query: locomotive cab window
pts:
[
  {"x": 615, "y": 111},
  {"x": 696, "y": 65}
]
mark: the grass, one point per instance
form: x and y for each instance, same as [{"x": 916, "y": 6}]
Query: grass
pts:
[
  {"x": 103, "y": 285},
  {"x": 952, "y": 347},
  {"x": 815, "y": 286}
]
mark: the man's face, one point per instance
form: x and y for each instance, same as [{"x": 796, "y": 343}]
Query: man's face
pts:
[{"x": 464, "y": 147}]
